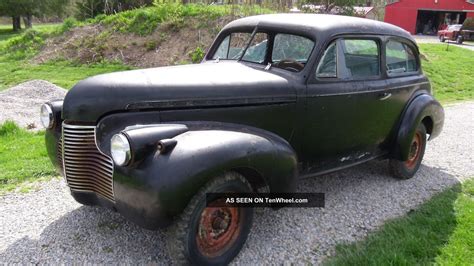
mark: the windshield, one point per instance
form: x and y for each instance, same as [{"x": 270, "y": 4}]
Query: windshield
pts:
[
  {"x": 288, "y": 51},
  {"x": 455, "y": 27}
]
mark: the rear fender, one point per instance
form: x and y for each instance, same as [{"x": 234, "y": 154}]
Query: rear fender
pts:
[{"x": 422, "y": 107}]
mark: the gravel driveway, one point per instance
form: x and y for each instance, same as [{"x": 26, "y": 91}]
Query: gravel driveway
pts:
[{"x": 48, "y": 226}]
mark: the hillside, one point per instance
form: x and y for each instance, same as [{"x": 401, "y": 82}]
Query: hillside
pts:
[
  {"x": 166, "y": 34},
  {"x": 166, "y": 45}
]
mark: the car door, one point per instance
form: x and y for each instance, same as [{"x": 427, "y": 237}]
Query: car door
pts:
[{"x": 343, "y": 120}]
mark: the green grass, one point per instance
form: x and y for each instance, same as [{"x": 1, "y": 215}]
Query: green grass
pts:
[
  {"x": 23, "y": 157},
  {"x": 26, "y": 43},
  {"x": 6, "y": 31},
  {"x": 144, "y": 21},
  {"x": 451, "y": 72},
  {"x": 17, "y": 47},
  {"x": 438, "y": 232},
  {"x": 63, "y": 74}
]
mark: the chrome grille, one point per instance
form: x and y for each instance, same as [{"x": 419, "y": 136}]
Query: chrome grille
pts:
[
  {"x": 86, "y": 168},
  {"x": 59, "y": 155}
]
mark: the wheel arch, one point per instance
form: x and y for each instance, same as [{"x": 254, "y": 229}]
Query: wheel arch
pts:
[
  {"x": 167, "y": 182},
  {"x": 424, "y": 109},
  {"x": 255, "y": 178},
  {"x": 428, "y": 123}
]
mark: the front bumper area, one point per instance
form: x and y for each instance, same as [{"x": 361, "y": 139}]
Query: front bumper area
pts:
[{"x": 93, "y": 179}]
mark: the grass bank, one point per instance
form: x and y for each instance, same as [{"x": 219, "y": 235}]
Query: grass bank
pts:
[
  {"x": 23, "y": 157},
  {"x": 438, "y": 232},
  {"x": 450, "y": 71},
  {"x": 144, "y": 21},
  {"x": 16, "y": 48}
]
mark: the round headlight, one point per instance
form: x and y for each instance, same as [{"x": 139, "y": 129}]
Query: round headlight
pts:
[
  {"x": 46, "y": 116},
  {"x": 120, "y": 149}
]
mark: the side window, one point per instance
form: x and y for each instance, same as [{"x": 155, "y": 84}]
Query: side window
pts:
[
  {"x": 400, "y": 58},
  {"x": 350, "y": 59},
  {"x": 361, "y": 58},
  {"x": 257, "y": 49},
  {"x": 232, "y": 46},
  {"x": 327, "y": 67}
]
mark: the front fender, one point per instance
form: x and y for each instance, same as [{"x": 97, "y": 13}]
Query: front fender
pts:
[
  {"x": 163, "y": 184},
  {"x": 421, "y": 107}
]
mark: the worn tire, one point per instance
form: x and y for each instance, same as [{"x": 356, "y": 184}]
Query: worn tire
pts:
[
  {"x": 407, "y": 169},
  {"x": 183, "y": 235}
]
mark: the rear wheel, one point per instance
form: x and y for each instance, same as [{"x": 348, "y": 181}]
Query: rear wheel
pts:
[
  {"x": 407, "y": 169},
  {"x": 211, "y": 235},
  {"x": 441, "y": 38},
  {"x": 459, "y": 40}
]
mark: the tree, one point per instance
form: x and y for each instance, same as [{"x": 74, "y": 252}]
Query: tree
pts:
[
  {"x": 7, "y": 8},
  {"x": 330, "y": 6},
  {"x": 29, "y": 8},
  {"x": 91, "y": 8}
]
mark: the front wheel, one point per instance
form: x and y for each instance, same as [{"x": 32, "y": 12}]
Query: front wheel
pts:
[
  {"x": 459, "y": 40},
  {"x": 441, "y": 38},
  {"x": 211, "y": 235},
  {"x": 407, "y": 169}
]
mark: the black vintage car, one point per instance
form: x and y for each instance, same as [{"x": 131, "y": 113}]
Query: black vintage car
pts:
[{"x": 276, "y": 98}]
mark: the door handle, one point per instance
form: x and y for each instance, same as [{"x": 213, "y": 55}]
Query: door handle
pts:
[{"x": 384, "y": 96}]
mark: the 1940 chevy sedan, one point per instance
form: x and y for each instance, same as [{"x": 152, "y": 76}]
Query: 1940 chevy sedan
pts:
[{"x": 276, "y": 98}]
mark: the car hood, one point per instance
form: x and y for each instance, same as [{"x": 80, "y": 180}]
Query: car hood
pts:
[{"x": 176, "y": 87}]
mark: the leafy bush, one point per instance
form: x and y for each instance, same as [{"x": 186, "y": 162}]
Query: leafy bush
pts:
[
  {"x": 151, "y": 45},
  {"x": 197, "y": 55},
  {"x": 68, "y": 24},
  {"x": 469, "y": 24}
]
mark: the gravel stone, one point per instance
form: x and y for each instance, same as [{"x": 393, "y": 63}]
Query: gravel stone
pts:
[
  {"x": 47, "y": 226},
  {"x": 22, "y": 103}
]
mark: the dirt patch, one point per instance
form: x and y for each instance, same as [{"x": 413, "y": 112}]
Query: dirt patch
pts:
[{"x": 167, "y": 45}]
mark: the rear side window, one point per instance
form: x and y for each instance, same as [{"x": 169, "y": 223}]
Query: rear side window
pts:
[
  {"x": 400, "y": 58},
  {"x": 350, "y": 59}
]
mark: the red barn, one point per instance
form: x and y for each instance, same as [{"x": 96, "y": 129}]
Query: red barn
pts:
[{"x": 427, "y": 16}]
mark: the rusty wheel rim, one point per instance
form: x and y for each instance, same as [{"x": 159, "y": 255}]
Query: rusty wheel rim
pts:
[
  {"x": 218, "y": 230},
  {"x": 415, "y": 151}
]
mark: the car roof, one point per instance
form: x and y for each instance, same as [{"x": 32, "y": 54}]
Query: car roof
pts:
[{"x": 321, "y": 24}]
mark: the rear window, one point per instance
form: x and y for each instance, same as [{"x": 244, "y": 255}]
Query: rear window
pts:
[
  {"x": 400, "y": 58},
  {"x": 455, "y": 27}
]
